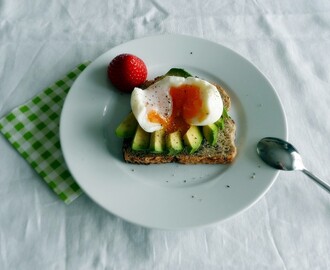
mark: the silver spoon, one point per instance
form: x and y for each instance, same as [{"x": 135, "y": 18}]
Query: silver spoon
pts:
[{"x": 282, "y": 155}]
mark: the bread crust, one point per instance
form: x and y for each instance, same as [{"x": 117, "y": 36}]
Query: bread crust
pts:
[{"x": 224, "y": 152}]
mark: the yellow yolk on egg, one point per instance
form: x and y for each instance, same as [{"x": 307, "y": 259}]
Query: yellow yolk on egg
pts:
[{"x": 186, "y": 105}]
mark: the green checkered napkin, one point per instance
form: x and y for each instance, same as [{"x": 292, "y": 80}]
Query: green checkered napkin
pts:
[{"x": 33, "y": 129}]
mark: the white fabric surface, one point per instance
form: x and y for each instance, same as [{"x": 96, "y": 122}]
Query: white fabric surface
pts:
[{"x": 289, "y": 228}]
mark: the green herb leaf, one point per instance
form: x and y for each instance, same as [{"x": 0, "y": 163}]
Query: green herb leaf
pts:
[{"x": 178, "y": 72}]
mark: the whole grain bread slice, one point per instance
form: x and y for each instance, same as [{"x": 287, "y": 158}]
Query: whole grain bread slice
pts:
[{"x": 223, "y": 152}]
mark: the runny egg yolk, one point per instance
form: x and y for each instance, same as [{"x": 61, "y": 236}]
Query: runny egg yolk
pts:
[{"x": 187, "y": 104}]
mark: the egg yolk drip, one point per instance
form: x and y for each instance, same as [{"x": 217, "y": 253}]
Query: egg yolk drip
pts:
[{"x": 187, "y": 104}]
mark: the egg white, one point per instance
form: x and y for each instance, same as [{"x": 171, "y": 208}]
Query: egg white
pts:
[{"x": 157, "y": 98}]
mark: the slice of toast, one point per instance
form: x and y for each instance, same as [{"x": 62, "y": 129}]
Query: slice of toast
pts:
[{"x": 223, "y": 152}]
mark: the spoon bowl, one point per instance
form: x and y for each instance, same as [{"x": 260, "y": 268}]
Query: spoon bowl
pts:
[{"x": 282, "y": 155}]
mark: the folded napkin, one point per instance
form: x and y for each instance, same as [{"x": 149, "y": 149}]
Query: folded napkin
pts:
[{"x": 33, "y": 130}]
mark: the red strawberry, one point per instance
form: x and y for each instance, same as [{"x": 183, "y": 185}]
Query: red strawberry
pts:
[{"x": 127, "y": 71}]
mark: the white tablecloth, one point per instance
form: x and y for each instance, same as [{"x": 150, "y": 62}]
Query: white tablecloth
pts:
[{"x": 289, "y": 228}]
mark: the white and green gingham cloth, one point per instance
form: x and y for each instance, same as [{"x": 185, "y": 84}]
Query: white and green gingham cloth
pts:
[{"x": 33, "y": 130}]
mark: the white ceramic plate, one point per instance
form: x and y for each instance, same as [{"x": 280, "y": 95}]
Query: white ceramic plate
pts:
[{"x": 170, "y": 196}]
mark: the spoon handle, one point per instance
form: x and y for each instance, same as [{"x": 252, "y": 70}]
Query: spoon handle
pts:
[{"x": 317, "y": 180}]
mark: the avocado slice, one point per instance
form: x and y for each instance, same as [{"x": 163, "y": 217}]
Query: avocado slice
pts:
[
  {"x": 127, "y": 127},
  {"x": 221, "y": 121},
  {"x": 193, "y": 139},
  {"x": 141, "y": 139},
  {"x": 210, "y": 133},
  {"x": 174, "y": 142},
  {"x": 157, "y": 141},
  {"x": 178, "y": 72}
]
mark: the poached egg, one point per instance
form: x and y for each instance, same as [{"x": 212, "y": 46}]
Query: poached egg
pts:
[{"x": 174, "y": 103}]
